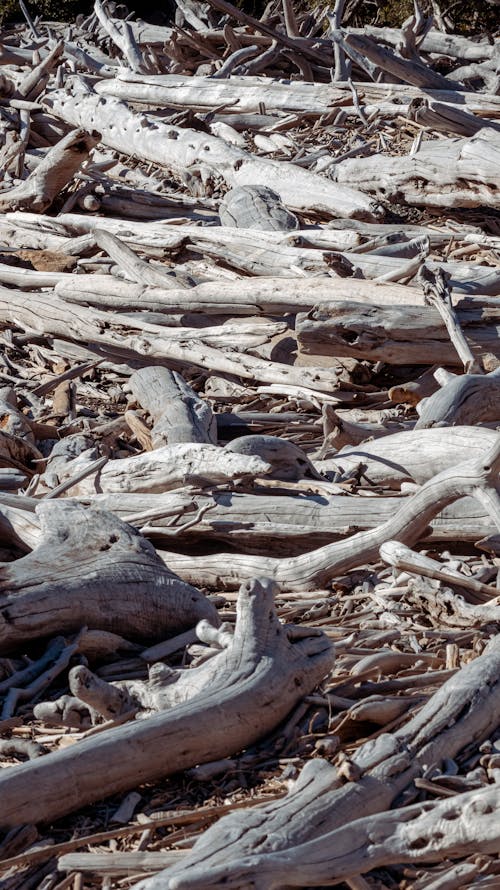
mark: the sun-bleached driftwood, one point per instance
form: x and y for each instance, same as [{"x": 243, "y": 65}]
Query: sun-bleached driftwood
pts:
[
  {"x": 316, "y": 568},
  {"x": 447, "y": 606},
  {"x": 122, "y": 35},
  {"x": 417, "y": 455},
  {"x": 134, "y": 266},
  {"x": 180, "y": 148},
  {"x": 409, "y": 71},
  {"x": 412, "y": 834},
  {"x": 407, "y": 560},
  {"x": 256, "y": 207},
  {"x": 51, "y": 175},
  {"x": 397, "y": 335},
  {"x": 280, "y": 525},
  {"x": 92, "y": 569},
  {"x": 471, "y": 398},
  {"x": 202, "y": 94},
  {"x": 257, "y": 681},
  {"x": 436, "y": 288},
  {"x": 52, "y": 315},
  {"x": 266, "y": 296},
  {"x": 167, "y": 467},
  {"x": 237, "y": 852},
  {"x": 179, "y": 414},
  {"x": 463, "y": 175}
]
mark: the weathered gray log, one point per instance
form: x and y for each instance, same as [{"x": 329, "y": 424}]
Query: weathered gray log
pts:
[
  {"x": 416, "y": 455},
  {"x": 471, "y": 398},
  {"x": 256, "y": 207},
  {"x": 456, "y": 173},
  {"x": 396, "y": 335},
  {"x": 179, "y": 414},
  {"x": 413, "y": 834},
  {"x": 317, "y": 568},
  {"x": 244, "y": 297},
  {"x": 253, "y": 848},
  {"x": 51, "y": 175},
  {"x": 409, "y": 71},
  {"x": 256, "y": 682},
  {"x": 92, "y": 569},
  {"x": 313, "y": 99},
  {"x": 180, "y": 148},
  {"x": 167, "y": 467},
  {"x": 280, "y": 525},
  {"x": 152, "y": 341}
]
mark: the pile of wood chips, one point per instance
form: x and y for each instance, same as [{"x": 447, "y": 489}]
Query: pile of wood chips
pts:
[{"x": 249, "y": 453}]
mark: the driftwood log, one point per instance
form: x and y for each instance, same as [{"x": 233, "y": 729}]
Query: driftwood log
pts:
[
  {"x": 249, "y": 340},
  {"x": 253, "y": 685}
]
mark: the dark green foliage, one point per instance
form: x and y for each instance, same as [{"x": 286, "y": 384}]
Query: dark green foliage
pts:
[{"x": 463, "y": 16}]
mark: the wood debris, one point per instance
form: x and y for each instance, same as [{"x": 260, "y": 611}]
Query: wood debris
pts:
[{"x": 249, "y": 452}]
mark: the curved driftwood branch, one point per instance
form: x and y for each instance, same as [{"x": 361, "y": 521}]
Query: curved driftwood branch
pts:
[
  {"x": 425, "y": 832},
  {"x": 318, "y": 567},
  {"x": 255, "y": 683},
  {"x": 253, "y": 848},
  {"x": 92, "y": 569}
]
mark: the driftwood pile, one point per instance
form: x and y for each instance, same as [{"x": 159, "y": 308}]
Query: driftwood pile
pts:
[{"x": 249, "y": 453}]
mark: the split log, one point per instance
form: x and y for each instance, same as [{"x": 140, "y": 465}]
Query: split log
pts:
[
  {"x": 92, "y": 569},
  {"x": 51, "y": 175},
  {"x": 179, "y": 414},
  {"x": 180, "y": 148},
  {"x": 304, "y": 827},
  {"x": 397, "y": 335},
  {"x": 256, "y": 682}
]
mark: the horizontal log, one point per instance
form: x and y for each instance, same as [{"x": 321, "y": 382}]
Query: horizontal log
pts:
[
  {"x": 179, "y": 148},
  {"x": 396, "y": 335}
]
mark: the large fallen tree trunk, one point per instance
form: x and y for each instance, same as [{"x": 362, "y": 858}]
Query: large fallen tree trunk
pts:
[
  {"x": 317, "y": 568},
  {"x": 396, "y": 335},
  {"x": 257, "y": 681},
  {"x": 178, "y": 149}
]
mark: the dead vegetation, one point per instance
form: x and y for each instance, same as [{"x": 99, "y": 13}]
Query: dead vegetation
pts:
[{"x": 249, "y": 453}]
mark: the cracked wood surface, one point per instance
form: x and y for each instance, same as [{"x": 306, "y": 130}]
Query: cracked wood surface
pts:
[{"x": 258, "y": 680}]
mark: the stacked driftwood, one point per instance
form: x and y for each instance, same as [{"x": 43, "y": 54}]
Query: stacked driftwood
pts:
[{"x": 249, "y": 458}]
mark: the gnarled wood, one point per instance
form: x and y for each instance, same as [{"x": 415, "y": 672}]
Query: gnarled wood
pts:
[
  {"x": 92, "y": 569},
  {"x": 258, "y": 680}
]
